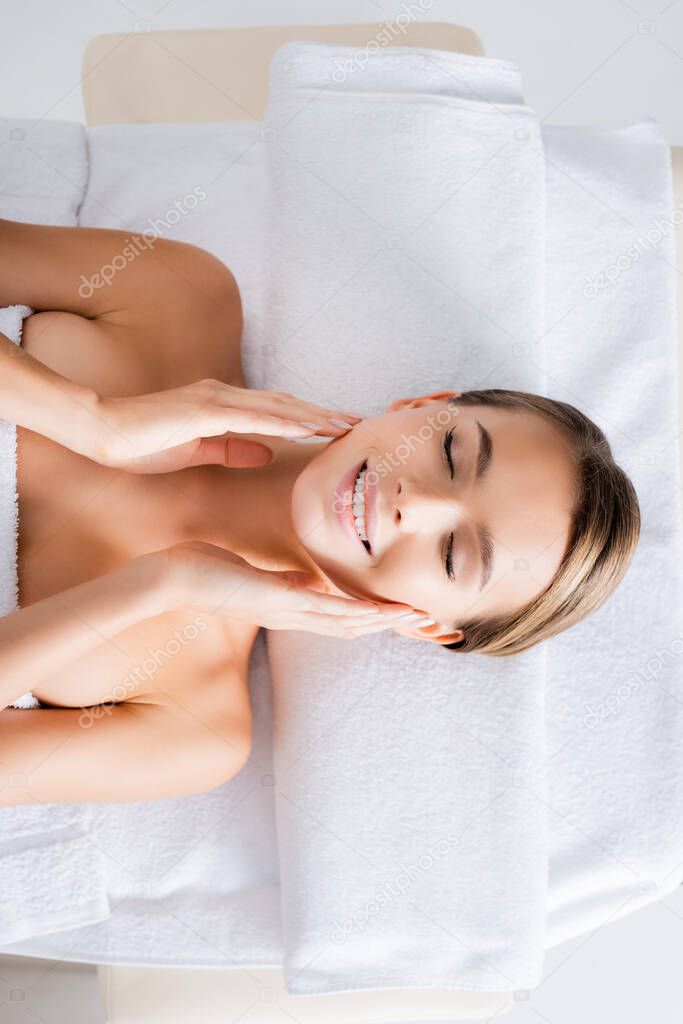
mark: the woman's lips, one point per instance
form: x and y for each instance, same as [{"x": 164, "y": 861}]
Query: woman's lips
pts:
[
  {"x": 371, "y": 508},
  {"x": 344, "y": 496}
]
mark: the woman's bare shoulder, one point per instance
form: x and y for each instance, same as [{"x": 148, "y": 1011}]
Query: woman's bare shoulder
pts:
[
  {"x": 182, "y": 321},
  {"x": 191, "y": 324}
]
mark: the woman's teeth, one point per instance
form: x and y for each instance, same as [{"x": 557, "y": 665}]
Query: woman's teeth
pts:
[{"x": 359, "y": 506}]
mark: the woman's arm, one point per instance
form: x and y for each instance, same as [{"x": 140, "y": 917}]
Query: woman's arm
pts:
[
  {"x": 34, "y": 396},
  {"x": 155, "y": 312},
  {"x": 42, "y": 640},
  {"x": 145, "y": 750},
  {"x": 89, "y": 272},
  {"x": 49, "y": 635},
  {"x": 180, "y": 427},
  {"x": 113, "y": 753},
  {"x": 130, "y": 752},
  {"x": 171, "y": 294},
  {"x": 155, "y": 295}
]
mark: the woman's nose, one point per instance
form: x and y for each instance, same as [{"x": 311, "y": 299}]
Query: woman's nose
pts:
[{"x": 420, "y": 505}]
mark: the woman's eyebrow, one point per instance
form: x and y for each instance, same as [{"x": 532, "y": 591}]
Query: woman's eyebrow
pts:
[{"x": 485, "y": 453}]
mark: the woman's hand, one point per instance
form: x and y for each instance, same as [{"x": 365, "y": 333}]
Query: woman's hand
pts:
[
  {"x": 218, "y": 581},
  {"x": 187, "y": 426}
]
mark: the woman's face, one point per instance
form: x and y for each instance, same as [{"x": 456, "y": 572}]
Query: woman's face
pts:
[{"x": 499, "y": 524}]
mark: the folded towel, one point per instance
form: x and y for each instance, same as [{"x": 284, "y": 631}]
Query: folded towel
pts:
[
  {"x": 522, "y": 766},
  {"x": 45, "y": 162},
  {"x": 52, "y": 871},
  {"x": 614, "y": 684},
  {"x": 407, "y": 256},
  {"x": 400, "y": 69}
]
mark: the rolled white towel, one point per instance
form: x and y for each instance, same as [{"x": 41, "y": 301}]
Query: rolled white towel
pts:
[{"x": 26, "y": 702}]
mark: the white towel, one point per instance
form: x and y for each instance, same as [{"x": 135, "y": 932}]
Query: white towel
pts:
[
  {"x": 11, "y": 319},
  {"x": 390, "y": 211},
  {"x": 614, "y": 686},
  {"x": 363, "y": 790},
  {"x": 52, "y": 872},
  {"x": 44, "y": 171}
]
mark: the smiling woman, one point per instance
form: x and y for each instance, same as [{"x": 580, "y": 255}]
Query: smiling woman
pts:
[
  {"x": 492, "y": 519},
  {"x": 505, "y": 517}
]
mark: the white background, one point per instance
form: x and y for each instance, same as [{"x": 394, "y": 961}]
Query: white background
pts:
[{"x": 582, "y": 61}]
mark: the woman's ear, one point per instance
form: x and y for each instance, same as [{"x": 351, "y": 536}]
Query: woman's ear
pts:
[
  {"x": 456, "y": 637},
  {"x": 438, "y": 633},
  {"x": 420, "y": 400}
]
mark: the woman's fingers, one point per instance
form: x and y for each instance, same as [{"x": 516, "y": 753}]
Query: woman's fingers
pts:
[
  {"x": 353, "y": 626},
  {"x": 309, "y": 600},
  {"x": 253, "y": 421},
  {"x": 340, "y": 615},
  {"x": 182, "y": 421},
  {"x": 295, "y": 407},
  {"x": 257, "y": 411},
  {"x": 350, "y": 612},
  {"x": 218, "y": 419}
]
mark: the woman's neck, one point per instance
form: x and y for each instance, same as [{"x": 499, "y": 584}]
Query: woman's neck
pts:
[{"x": 248, "y": 511}]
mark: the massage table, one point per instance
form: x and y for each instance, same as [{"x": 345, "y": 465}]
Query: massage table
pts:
[{"x": 150, "y": 77}]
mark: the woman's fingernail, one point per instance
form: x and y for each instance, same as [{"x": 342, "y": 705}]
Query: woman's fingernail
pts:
[
  {"x": 311, "y": 426},
  {"x": 341, "y": 423},
  {"x": 409, "y": 616},
  {"x": 427, "y": 622}
]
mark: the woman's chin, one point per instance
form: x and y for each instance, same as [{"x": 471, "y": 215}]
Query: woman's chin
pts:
[{"x": 319, "y": 531}]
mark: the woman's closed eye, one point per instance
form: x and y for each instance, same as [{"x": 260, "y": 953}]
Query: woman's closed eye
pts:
[
  {"x": 447, "y": 439},
  {"x": 448, "y": 559}
]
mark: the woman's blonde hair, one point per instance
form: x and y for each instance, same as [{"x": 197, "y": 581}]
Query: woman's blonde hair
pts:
[{"x": 605, "y": 527}]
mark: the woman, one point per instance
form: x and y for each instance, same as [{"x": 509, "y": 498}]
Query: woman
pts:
[{"x": 156, "y": 525}]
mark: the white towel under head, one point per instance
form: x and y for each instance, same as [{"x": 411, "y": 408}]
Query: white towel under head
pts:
[
  {"x": 390, "y": 208},
  {"x": 393, "y": 221}
]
